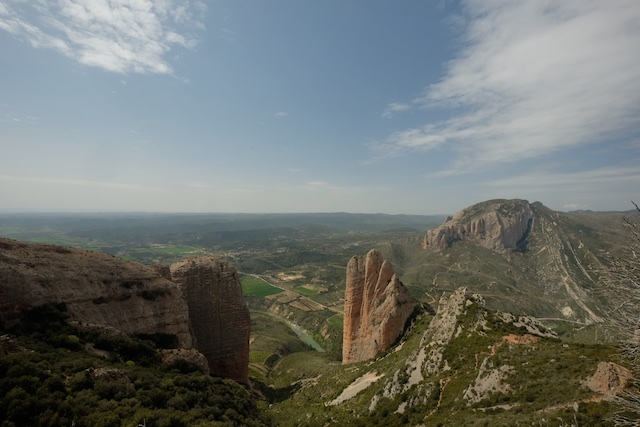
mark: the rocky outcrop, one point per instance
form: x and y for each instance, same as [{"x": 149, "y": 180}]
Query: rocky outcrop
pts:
[
  {"x": 497, "y": 225},
  {"x": 609, "y": 379},
  {"x": 96, "y": 288},
  {"x": 376, "y": 308},
  {"x": 459, "y": 314},
  {"x": 218, "y": 313}
]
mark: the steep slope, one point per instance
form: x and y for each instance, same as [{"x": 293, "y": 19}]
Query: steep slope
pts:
[
  {"x": 97, "y": 289},
  {"x": 465, "y": 366},
  {"x": 376, "y": 307},
  {"x": 548, "y": 268}
]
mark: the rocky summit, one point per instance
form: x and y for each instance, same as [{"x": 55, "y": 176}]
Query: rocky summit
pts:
[
  {"x": 219, "y": 315},
  {"x": 377, "y": 306},
  {"x": 496, "y": 224}
]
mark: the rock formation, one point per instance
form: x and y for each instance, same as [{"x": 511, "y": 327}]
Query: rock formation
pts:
[
  {"x": 218, "y": 313},
  {"x": 609, "y": 379},
  {"x": 497, "y": 225},
  {"x": 97, "y": 289},
  {"x": 376, "y": 307}
]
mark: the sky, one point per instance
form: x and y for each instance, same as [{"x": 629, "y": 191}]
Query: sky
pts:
[{"x": 371, "y": 106}]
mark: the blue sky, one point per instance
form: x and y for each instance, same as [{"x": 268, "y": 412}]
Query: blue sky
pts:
[{"x": 417, "y": 107}]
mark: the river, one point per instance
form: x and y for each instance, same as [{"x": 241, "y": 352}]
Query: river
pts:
[{"x": 301, "y": 333}]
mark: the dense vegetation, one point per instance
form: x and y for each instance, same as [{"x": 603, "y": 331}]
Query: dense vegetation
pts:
[{"x": 48, "y": 379}]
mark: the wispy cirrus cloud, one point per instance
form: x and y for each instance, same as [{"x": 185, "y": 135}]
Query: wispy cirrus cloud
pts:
[
  {"x": 121, "y": 36},
  {"x": 532, "y": 78}
]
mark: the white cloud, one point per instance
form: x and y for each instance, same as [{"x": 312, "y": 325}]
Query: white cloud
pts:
[
  {"x": 532, "y": 78},
  {"x": 121, "y": 36},
  {"x": 281, "y": 114},
  {"x": 18, "y": 119},
  {"x": 395, "y": 107},
  {"x": 575, "y": 207}
]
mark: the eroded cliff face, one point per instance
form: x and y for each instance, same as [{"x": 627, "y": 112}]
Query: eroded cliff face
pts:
[
  {"x": 497, "y": 225},
  {"x": 218, "y": 313},
  {"x": 377, "y": 306},
  {"x": 98, "y": 289}
]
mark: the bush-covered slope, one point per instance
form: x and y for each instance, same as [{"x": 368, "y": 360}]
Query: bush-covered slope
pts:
[
  {"x": 47, "y": 378},
  {"x": 465, "y": 366}
]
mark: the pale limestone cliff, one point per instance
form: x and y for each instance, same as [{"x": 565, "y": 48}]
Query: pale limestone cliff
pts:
[
  {"x": 376, "y": 308},
  {"x": 96, "y": 288},
  {"x": 218, "y": 313},
  {"x": 497, "y": 225}
]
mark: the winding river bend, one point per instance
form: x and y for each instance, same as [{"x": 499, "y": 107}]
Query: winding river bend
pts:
[
  {"x": 306, "y": 338},
  {"x": 301, "y": 333}
]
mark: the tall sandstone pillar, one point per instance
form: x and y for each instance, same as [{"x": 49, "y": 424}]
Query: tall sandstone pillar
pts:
[
  {"x": 376, "y": 308},
  {"x": 219, "y": 316}
]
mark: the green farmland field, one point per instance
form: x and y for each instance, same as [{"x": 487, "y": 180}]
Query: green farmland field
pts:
[
  {"x": 305, "y": 291},
  {"x": 336, "y": 321},
  {"x": 255, "y": 287}
]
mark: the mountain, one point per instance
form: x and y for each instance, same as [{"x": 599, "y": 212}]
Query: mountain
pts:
[
  {"x": 474, "y": 362},
  {"x": 466, "y": 365},
  {"x": 510, "y": 311},
  {"x": 522, "y": 256},
  {"x": 201, "y": 306},
  {"x": 96, "y": 289},
  {"x": 498, "y": 225}
]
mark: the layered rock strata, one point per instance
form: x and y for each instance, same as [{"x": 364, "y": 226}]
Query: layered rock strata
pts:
[
  {"x": 218, "y": 313},
  {"x": 376, "y": 308},
  {"x": 96, "y": 288},
  {"x": 497, "y": 225}
]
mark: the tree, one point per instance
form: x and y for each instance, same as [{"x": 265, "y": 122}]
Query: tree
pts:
[{"x": 623, "y": 287}]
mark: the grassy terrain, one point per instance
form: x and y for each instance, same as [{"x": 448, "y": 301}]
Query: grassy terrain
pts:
[
  {"x": 545, "y": 383},
  {"x": 253, "y": 286},
  {"x": 336, "y": 321},
  {"x": 271, "y": 339},
  {"x": 305, "y": 291}
]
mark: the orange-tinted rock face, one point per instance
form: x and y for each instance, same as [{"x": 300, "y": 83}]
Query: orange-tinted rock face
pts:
[
  {"x": 219, "y": 316},
  {"x": 376, "y": 308}
]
